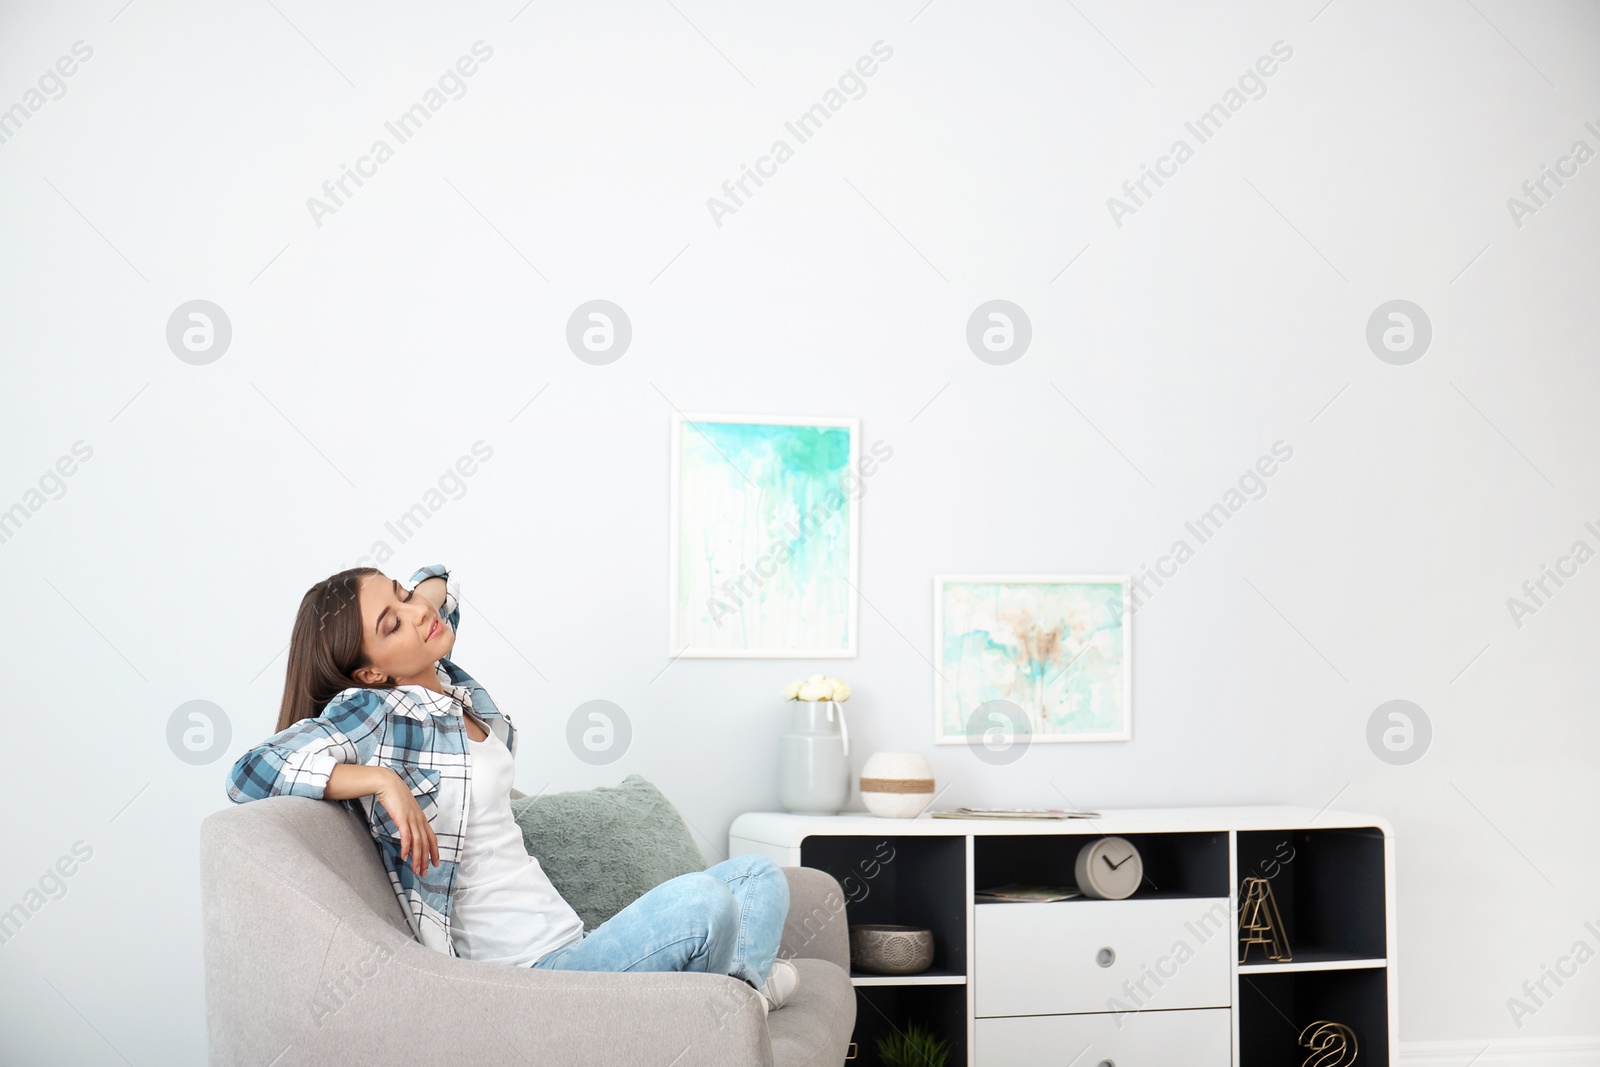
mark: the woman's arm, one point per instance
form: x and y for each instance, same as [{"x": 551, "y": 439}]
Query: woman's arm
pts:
[
  {"x": 298, "y": 760},
  {"x": 294, "y": 762},
  {"x": 321, "y": 758},
  {"x": 348, "y": 781},
  {"x": 433, "y": 589}
]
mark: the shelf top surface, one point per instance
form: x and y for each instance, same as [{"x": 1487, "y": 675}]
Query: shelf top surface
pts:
[{"x": 789, "y": 830}]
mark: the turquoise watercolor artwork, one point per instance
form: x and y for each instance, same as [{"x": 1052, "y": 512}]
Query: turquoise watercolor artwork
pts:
[
  {"x": 1042, "y": 656},
  {"x": 764, "y": 536}
]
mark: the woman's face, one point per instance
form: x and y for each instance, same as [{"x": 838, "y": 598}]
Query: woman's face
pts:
[{"x": 401, "y": 633}]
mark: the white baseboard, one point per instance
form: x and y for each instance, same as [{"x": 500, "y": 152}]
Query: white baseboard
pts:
[{"x": 1521, "y": 1052}]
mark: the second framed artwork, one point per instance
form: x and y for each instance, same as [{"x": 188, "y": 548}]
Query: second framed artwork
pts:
[
  {"x": 1046, "y": 656},
  {"x": 765, "y": 536}
]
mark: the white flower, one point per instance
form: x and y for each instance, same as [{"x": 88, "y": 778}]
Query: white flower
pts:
[{"x": 816, "y": 688}]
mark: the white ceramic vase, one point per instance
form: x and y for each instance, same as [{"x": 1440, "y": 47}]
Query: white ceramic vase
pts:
[
  {"x": 897, "y": 785},
  {"x": 814, "y": 760}
]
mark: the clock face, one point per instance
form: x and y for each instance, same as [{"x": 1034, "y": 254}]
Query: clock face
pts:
[{"x": 1109, "y": 869}]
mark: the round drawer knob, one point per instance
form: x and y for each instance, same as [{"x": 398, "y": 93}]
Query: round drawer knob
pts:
[{"x": 1105, "y": 958}]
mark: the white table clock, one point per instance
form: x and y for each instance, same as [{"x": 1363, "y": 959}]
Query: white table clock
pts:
[{"x": 1109, "y": 868}]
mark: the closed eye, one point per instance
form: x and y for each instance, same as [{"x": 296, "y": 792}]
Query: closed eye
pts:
[{"x": 407, "y": 600}]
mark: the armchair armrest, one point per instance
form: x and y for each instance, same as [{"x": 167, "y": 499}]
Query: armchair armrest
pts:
[
  {"x": 817, "y": 926},
  {"x": 488, "y": 1013}
]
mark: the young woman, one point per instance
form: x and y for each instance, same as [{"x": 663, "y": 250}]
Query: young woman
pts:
[{"x": 375, "y": 712}]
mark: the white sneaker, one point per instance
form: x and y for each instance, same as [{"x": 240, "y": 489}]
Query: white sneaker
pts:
[{"x": 781, "y": 984}]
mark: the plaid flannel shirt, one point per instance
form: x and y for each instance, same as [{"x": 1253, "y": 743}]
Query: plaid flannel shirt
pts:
[{"x": 417, "y": 733}]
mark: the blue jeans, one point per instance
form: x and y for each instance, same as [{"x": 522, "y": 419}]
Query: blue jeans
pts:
[{"x": 727, "y": 919}]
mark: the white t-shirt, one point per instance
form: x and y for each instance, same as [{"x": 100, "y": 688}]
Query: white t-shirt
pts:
[{"x": 504, "y": 909}]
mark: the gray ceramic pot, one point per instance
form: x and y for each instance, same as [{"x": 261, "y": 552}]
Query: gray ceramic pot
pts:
[{"x": 881, "y": 948}]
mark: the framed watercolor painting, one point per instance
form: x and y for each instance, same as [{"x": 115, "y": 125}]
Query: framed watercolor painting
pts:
[
  {"x": 765, "y": 536},
  {"x": 1054, "y": 646}
]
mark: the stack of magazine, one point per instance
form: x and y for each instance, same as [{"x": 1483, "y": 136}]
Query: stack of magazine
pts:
[
  {"x": 1017, "y": 893},
  {"x": 1012, "y": 813}
]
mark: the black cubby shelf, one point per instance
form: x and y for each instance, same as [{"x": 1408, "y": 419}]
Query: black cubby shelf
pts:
[
  {"x": 881, "y": 1010},
  {"x": 1176, "y": 865},
  {"x": 1013, "y": 985},
  {"x": 1275, "y": 1008},
  {"x": 1329, "y": 888},
  {"x": 913, "y": 881}
]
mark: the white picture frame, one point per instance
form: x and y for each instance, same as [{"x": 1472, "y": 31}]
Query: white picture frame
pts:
[
  {"x": 945, "y": 703},
  {"x": 691, "y": 637}
]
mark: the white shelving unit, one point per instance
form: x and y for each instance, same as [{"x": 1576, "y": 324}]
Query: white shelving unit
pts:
[{"x": 1019, "y": 985}]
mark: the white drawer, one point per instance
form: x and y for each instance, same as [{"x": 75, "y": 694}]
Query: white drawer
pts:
[
  {"x": 1101, "y": 956},
  {"x": 1143, "y": 1039}
]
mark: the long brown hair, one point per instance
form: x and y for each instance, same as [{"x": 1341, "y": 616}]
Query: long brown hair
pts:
[{"x": 325, "y": 647}]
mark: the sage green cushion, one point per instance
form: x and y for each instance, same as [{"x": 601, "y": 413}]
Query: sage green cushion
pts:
[{"x": 603, "y": 848}]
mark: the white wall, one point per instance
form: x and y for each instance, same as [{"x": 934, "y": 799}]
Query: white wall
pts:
[{"x": 371, "y": 351}]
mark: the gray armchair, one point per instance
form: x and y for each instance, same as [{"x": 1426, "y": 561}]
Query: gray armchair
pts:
[{"x": 308, "y": 960}]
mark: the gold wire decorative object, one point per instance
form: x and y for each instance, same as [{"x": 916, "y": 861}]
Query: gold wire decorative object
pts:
[
  {"x": 1331, "y": 1044},
  {"x": 1260, "y": 923}
]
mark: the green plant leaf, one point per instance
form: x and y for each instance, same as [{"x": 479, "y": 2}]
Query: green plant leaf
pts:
[{"x": 913, "y": 1047}]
